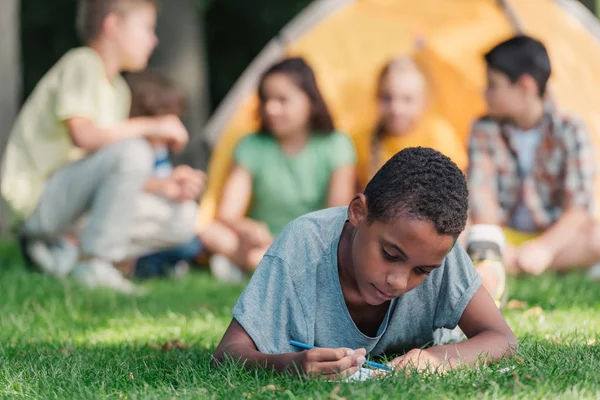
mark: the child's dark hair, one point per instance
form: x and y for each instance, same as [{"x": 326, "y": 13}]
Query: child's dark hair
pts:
[
  {"x": 421, "y": 183},
  {"x": 521, "y": 55},
  {"x": 301, "y": 73},
  {"x": 153, "y": 94}
]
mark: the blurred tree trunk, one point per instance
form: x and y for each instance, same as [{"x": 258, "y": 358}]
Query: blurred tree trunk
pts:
[
  {"x": 10, "y": 76},
  {"x": 10, "y": 67},
  {"x": 181, "y": 55}
]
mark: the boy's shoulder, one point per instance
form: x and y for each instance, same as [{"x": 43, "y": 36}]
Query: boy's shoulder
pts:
[
  {"x": 487, "y": 126},
  {"x": 566, "y": 124},
  {"x": 309, "y": 238},
  {"x": 84, "y": 56}
]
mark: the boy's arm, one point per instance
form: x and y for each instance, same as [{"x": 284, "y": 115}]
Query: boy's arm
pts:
[
  {"x": 482, "y": 178},
  {"x": 86, "y": 135},
  {"x": 238, "y": 346},
  {"x": 490, "y": 338}
]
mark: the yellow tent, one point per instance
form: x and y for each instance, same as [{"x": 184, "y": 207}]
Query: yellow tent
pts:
[{"x": 348, "y": 41}]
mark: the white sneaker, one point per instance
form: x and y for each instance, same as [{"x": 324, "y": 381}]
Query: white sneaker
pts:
[
  {"x": 224, "y": 270},
  {"x": 593, "y": 272},
  {"x": 179, "y": 270},
  {"x": 57, "y": 258},
  {"x": 100, "y": 273}
]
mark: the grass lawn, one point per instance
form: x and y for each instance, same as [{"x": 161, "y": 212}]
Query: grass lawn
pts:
[{"x": 58, "y": 340}]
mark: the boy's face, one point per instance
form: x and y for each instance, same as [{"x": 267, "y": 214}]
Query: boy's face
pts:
[
  {"x": 390, "y": 259},
  {"x": 505, "y": 99},
  {"x": 135, "y": 37}
]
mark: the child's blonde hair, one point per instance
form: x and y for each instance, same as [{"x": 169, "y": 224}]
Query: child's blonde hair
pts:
[
  {"x": 91, "y": 14},
  {"x": 399, "y": 65},
  {"x": 402, "y": 64}
]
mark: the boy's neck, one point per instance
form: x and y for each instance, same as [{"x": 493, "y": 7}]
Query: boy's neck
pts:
[
  {"x": 112, "y": 65},
  {"x": 531, "y": 117}
]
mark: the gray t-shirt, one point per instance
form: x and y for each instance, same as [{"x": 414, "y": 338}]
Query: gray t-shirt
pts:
[{"x": 295, "y": 294}]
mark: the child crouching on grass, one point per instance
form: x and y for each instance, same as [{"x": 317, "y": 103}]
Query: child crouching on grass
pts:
[
  {"x": 377, "y": 277},
  {"x": 153, "y": 95}
]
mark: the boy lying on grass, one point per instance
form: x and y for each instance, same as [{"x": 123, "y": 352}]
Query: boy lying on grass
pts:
[{"x": 377, "y": 277}]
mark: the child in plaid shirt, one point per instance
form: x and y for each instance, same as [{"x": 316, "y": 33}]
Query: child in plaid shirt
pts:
[{"x": 531, "y": 172}]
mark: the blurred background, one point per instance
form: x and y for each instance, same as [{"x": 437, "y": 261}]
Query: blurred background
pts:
[{"x": 213, "y": 41}]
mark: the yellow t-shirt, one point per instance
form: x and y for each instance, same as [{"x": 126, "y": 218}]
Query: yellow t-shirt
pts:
[
  {"x": 40, "y": 143},
  {"x": 431, "y": 132}
]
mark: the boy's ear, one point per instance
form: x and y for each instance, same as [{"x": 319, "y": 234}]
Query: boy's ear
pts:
[
  {"x": 357, "y": 210},
  {"x": 110, "y": 24},
  {"x": 529, "y": 84}
]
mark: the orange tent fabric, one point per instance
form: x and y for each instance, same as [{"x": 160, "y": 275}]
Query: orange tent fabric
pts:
[{"x": 347, "y": 42}]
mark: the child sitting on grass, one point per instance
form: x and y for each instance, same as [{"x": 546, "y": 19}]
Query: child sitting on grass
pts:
[
  {"x": 405, "y": 120},
  {"x": 376, "y": 277},
  {"x": 74, "y": 152},
  {"x": 532, "y": 169},
  {"x": 154, "y": 95},
  {"x": 297, "y": 163}
]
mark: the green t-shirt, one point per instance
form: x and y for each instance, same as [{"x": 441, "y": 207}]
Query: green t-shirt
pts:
[{"x": 284, "y": 187}]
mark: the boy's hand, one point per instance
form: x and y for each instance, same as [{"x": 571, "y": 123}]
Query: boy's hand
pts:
[
  {"x": 191, "y": 181},
  {"x": 534, "y": 257},
  {"x": 422, "y": 360},
  {"x": 327, "y": 363},
  {"x": 170, "y": 129}
]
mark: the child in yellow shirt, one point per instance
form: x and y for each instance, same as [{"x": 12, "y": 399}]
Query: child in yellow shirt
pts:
[{"x": 405, "y": 120}]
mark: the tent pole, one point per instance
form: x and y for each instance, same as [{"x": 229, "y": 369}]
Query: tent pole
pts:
[{"x": 511, "y": 15}]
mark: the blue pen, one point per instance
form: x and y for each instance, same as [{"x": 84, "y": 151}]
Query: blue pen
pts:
[{"x": 369, "y": 363}]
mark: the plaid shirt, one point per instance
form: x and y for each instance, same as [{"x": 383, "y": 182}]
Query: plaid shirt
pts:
[{"x": 562, "y": 176}]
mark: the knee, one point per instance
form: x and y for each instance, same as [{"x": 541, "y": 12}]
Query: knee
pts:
[
  {"x": 593, "y": 233},
  {"x": 132, "y": 156}
]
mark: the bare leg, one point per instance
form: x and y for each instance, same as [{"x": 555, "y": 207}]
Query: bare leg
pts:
[
  {"x": 220, "y": 239},
  {"x": 582, "y": 250}
]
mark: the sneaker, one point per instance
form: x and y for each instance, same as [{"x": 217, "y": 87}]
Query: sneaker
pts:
[
  {"x": 96, "y": 273},
  {"x": 485, "y": 246},
  {"x": 593, "y": 272},
  {"x": 224, "y": 270},
  {"x": 56, "y": 258},
  {"x": 179, "y": 270}
]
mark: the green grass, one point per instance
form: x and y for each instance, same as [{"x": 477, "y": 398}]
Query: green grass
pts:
[{"x": 58, "y": 340}]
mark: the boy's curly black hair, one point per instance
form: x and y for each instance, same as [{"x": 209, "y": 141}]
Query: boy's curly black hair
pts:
[{"x": 420, "y": 183}]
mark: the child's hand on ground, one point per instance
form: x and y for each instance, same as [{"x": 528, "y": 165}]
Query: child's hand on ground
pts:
[
  {"x": 422, "y": 360},
  {"x": 170, "y": 129},
  {"x": 534, "y": 257},
  {"x": 329, "y": 363},
  {"x": 191, "y": 181}
]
